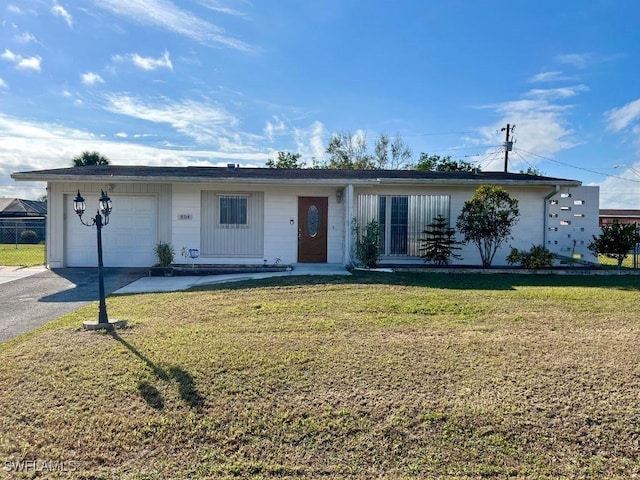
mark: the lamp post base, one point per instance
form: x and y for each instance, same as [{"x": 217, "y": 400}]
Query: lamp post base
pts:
[{"x": 110, "y": 325}]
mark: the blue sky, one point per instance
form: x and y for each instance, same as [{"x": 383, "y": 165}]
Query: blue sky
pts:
[{"x": 207, "y": 82}]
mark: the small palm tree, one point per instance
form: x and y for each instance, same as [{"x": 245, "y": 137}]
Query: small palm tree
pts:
[{"x": 89, "y": 158}]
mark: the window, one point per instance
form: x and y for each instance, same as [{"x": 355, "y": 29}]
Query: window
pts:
[
  {"x": 233, "y": 210},
  {"x": 565, "y": 195},
  {"x": 402, "y": 218},
  {"x": 578, "y": 202},
  {"x": 565, "y": 208},
  {"x": 565, "y": 222},
  {"x": 399, "y": 225},
  {"x": 553, "y": 202},
  {"x": 232, "y": 224}
]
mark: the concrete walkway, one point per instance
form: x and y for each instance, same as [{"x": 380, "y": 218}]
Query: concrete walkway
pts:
[
  {"x": 177, "y": 283},
  {"x": 9, "y": 274}
]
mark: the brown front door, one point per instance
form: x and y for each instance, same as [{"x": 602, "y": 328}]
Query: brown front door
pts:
[{"x": 312, "y": 229}]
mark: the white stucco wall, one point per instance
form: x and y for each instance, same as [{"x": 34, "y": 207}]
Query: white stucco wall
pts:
[
  {"x": 280, "y": 236},
  {"x": 527, "y": 232}
]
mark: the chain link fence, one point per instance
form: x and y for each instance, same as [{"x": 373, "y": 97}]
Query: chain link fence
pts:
[{"x": 23, "y": 241}]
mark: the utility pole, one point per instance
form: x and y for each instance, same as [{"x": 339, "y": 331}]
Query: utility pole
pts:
[{"x": 508, "y": 145}]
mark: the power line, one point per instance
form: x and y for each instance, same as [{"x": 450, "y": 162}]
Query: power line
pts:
[{"x": 578, "y": 168}]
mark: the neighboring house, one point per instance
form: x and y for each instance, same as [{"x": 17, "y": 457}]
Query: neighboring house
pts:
[
  {"x": 17, "y": 215},
  {"x": 622, "y": 216},
  {"x": 239, "y": 215}
]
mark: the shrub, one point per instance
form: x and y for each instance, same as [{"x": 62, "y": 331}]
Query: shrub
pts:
[
  {"x": 487, "y": 219},
  {"x": 368, "y": 244},
  {"x": 538, "y": 257},
  {"x": 29, "y": 236},
  {"x": 165, "y": 254}
]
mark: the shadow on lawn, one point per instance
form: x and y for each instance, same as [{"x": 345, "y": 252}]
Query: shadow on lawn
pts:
[
  {"x": 187, "y": 386},
  {"x": 450, "y": 281}
]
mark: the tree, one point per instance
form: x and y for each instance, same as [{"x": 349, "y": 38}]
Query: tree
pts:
[
  {"x": 436, "y": 163},
  {"x": 487, "y": 219},
  {"x": 350, "y": 151},
  {"x": 532, "y": 171},
  {"x": 286, "y": 160},
  {"x": 616, "y": 240},
  {"x": 89, "y": 158},
  {"x": 439, "y": 242}
]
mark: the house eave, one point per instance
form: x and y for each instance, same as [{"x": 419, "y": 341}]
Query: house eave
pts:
[{"x": 39, "y": 177}]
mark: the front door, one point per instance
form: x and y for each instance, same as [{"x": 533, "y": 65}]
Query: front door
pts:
[{"x": 312, "y": 229}]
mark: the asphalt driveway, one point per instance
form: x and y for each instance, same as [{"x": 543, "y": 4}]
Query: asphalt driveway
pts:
[{"x": 27, "y": 303}]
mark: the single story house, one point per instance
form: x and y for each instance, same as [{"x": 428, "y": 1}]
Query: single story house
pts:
[
  {"x": 608, "y": 216},
  {"x": 18, "y": 215},
  {"x": 237, "y": 215}
]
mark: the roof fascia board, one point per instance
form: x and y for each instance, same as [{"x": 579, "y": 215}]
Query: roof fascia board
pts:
[{"x": 34, "y": 176}]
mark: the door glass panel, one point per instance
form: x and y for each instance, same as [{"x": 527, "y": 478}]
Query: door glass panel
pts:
[{"x": 313, "y": 221}]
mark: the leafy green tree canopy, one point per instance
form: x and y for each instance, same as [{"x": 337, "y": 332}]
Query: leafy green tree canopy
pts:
[
  {"x": 436, "y": 163},
  {"x": 286, "y": 160},
  {"x": 89, "y": 158},
  {"x": 616, "y": 240},
  {"x": 487, "y": 219},
  {"x": 350, "y": 151}
]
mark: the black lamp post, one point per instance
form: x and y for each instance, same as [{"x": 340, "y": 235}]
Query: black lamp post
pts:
[{"x": 100, "y": 220}]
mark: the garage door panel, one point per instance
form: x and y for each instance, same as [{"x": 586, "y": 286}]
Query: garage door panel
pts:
[{"x": 128, "y": 240}]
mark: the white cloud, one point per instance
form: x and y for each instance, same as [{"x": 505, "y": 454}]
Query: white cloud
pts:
[
  {"x": 20, "y": 62},
  {"x": 217, "y": 7},
  {"x": 274, "y": 128},
  {"x": 14, "y": 9},
  {"x": 553, "y": 76},
  {"x": 30, "y": 63},
  {"x": 622, "y": 191},
  {"x": 165, "y": 14},
  {"x": 620, "y": 118},
  {"x": 148, "y": 63},
  {"x": 578, "y": 60},
  {"x": 3, "y": 84},
  {"x": 25, "y": 38},
  {"x": 309, "y": 141},
  {"x": 541, "y": 128},
  {"x": 91, "y": 78},
  {"x": 59, "y": 11},
  {"x": 56, "y": 145},
  {"x": 205, "y": 122},
  {"x": 9, "y": 55},
  {"x": 557, "y": 93},
  {"x": 121, "y": 135}
]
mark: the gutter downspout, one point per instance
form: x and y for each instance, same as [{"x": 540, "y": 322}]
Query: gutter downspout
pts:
[{"x": 545, "y": 220}]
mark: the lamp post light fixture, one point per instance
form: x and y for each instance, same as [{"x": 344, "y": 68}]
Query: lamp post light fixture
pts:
[{"x": 100, "y": 220}]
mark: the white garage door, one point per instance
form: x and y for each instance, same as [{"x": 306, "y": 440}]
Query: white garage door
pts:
[{"x": 128, "y": 240}]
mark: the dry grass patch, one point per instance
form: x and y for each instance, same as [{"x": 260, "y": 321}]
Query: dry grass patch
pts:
[{"x": 399, "y": 376}]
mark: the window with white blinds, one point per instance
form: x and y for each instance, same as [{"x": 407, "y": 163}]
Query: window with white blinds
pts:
[{"x": 402, "y": 219}]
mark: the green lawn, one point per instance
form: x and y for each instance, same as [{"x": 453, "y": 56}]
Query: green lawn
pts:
[
  {"x": 612, "y": 262},
  {"x": 21, "y": 255},
  {"x": 375, "y": 375}
]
